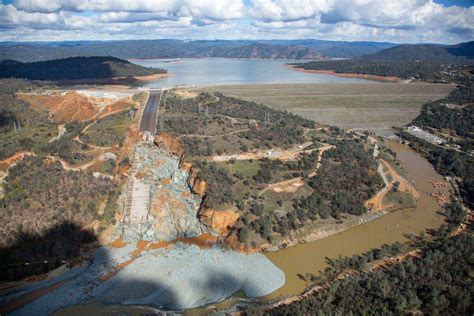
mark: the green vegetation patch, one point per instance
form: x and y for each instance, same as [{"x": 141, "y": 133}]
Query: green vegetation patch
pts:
[
  {"x": 235, "y": 125},
  {"x": 21, "y": 128},
  {"x": 109, "y": 131},
  {"x": 243, "y": 168},
  {"x": 399, "y": 199}
]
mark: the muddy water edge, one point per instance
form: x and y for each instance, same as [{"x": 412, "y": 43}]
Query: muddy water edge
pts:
[{"x": 310, "y": 257}]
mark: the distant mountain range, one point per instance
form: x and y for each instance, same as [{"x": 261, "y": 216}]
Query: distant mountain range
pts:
[
  {"x": 170, "y": 48},
  {"x": 74, "y": 68}
]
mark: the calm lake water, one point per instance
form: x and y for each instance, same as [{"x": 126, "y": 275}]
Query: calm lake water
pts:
[{"x": 218, "y": 71}]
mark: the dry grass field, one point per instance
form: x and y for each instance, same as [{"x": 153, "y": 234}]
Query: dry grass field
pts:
[{"x": 371, "y": 106}]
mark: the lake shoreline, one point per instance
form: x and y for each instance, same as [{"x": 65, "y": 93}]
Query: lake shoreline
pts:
[{"x": 347, "y": 75}]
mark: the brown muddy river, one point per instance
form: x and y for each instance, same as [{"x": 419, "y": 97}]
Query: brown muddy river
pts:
[{"x": 310, "y": 257}]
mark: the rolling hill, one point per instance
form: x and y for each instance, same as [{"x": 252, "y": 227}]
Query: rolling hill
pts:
[
  {"x": 425, "y": 53},
  {"x": 427, "y": 62},
  {"x": 75, "y": 68}
]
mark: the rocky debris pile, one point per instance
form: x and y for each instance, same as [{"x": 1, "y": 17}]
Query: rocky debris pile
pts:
[
  {"x": 172, "y": 207},
  {"x": 175, "y": 278}
]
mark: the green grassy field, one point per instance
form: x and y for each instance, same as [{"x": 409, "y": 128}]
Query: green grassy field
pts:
[{"x": 355, "y": 105}]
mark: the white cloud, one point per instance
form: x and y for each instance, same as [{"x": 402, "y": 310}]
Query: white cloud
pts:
[{"x": 387, "y": 20}]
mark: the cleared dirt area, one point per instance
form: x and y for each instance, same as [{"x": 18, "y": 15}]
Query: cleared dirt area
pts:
[
  {"x": 351, "y": 105},
  {"x": 68, "y": 106}
]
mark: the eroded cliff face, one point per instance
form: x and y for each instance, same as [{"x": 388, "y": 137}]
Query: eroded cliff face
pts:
[
  {"x": 197, "y": 185},
  {"x": 220, "y": 221}
]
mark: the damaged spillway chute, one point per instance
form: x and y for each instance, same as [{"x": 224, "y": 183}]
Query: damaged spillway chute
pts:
[{"x": 159, "y": 204}]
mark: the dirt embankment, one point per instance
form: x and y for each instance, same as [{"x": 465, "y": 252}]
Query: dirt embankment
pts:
[{"x": 348, "y": 75}]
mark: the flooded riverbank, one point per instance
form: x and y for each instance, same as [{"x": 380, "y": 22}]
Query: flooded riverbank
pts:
[{"x": 310, "y": 257}]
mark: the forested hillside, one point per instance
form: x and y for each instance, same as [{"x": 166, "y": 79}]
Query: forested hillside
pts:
[
  {"x": 422, "y": 62},
  {"x": 455, "y": 113},
  {"x": 44, "y": 206},
  {"x": 215, "y": 130},
  {"x": 453, "y": 116},
  {"x": 424, "y": 53},
  {"x": 75, "y": 68}
]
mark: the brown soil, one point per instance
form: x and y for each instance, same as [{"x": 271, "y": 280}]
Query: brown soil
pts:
[
  {"x": 169, "y": 143},
  {"x": 186, "y": 94},
  {"x": 149, "y": 77}
]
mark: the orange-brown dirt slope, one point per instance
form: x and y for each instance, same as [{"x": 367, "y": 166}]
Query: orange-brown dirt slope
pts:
[{"x": 74, "y": 106}]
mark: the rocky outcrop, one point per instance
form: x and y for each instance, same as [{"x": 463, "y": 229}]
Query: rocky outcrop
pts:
[{"x": 219, "y": 221}]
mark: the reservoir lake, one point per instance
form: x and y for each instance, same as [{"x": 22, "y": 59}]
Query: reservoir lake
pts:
[{"x": 220, "y": 71}]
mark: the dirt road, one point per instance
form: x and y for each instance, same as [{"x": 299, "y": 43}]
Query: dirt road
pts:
[{"x": 375, "y": 204}]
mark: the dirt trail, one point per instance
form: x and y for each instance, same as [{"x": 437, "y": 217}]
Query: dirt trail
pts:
[
  {"x": 292, "y": 185},
  {"x": 281, "y": 154},
  {"x": 68, "y": 167},
  {"x": 79, "y": 140},
  {"x": 211, "y": 136},
  {"x": 321, "y": 151},
  {"x": 8, "y": 162}
]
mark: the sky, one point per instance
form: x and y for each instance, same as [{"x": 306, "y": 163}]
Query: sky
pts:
[{"x": 398, "y": 21}]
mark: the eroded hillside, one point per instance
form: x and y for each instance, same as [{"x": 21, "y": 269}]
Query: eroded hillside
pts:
[{"x": 273, "y": 179}]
